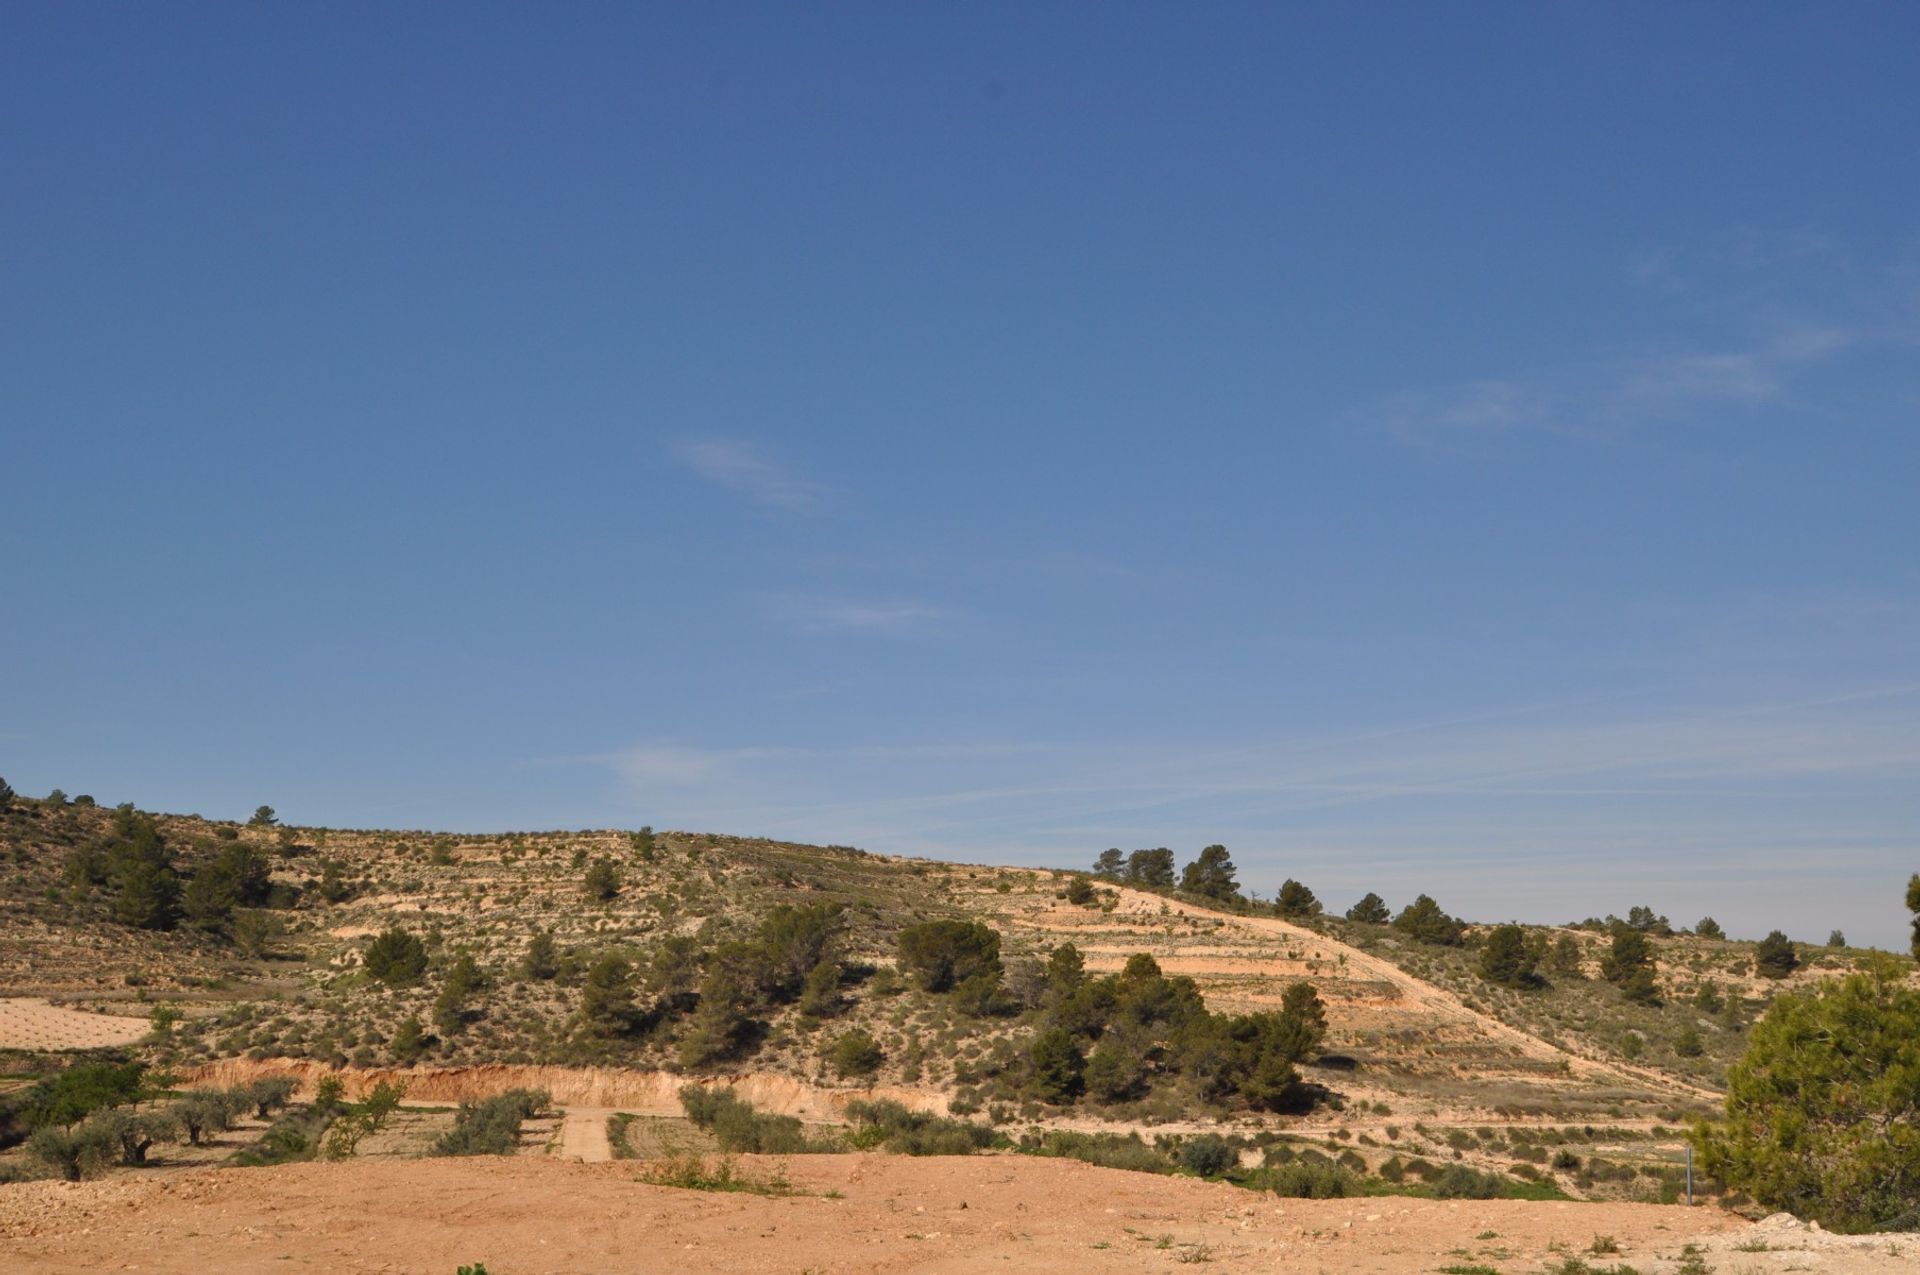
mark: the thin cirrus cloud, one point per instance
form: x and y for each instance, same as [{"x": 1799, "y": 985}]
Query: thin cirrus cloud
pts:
[
  {"x": 1608, "y": 398},
  {"x": 747, "y": 470}
]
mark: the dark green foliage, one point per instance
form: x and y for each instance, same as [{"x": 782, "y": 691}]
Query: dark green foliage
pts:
[
  {"x": 7, "y": 795},
  {"x": 1507, "y": 958},
  {"x": 1913, "y": 906},
  {"x": 334, "y": 886},
  {"x": 396, "y": 958},
  {"x": 450, "y": 1012},
  {"x": 1630, "y": 954},
  {"x": 1080, "y": 892},
  {"x": 1687, "y": 1042},
  {"x": 795, "y": 941},
  {"x": 409, "y": 1040},
  {"x": 238, "y": 877},
  {"x": 268, "y": 1095},
  {"x": 1708, "y": 928},
  {"x": 738, "y": 1128},
  {"x": 820, "y": 995},
  {"x": 73, "y": 1154},
  {"x": 643, "y": 844},
  {"x": 1059, "y": 1068},
  {"x": 140, "y": 870},
  {"x": 1424, "y": 920},
  {"x": 1066, "y": 971},
  {"x": 542, "y": 957},
  {"x": 1208, "y": 1156},
  {"x": 1108, "y": 1150},
  {"x": 77, "y": 1092},
  {"x": 1707, "y": 999},
  {"x": 1152, "y": 869},
  {"x": 888, "y": 1124},
  {"x": 1458, "y": 1182},
  {"x": 1310, "y": 1180},
  {"x": 1647, "y": 921},
  {"x": 492, "y": 1127},
  {"x": 134, "y": 1133},
  {"x": 1823, "y": 1109},
  {"x": 606, "y": 996},
  {"x": 1836, "y": 939},
  {"x": 1370, "y": 910},
  {"x": 202, "y": 1112},
  {"x": 1563, "y": 958},
  {"x": 1640, "y": 987},
  {"x": 723, "y": 1023},
  {"x": 602, "y": 880},
  {"x": 1296, "y": 900},
  {"x": 1111, "y": 864},
  {"x": 263, "y": 817},
  {"x": 855, "y": 1053},
  {"x": 1211, "y": 875},
  {"x": 1775, "y": 956},
  {"x": 943, "y": 954}
]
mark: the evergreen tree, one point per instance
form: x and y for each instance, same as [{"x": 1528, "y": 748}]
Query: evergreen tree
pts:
[
  {"x": 263, "y": 817},
  {"x": 1059, "y": 1068},
  {"x": 1110, "y": 864},
  {"x": 1821, "y": 1109},
  {"x": 602, "y": 880},
  {"x": 1708, "y": 928},
  {"x": 1151, "y": 869},
  {"x": 1370, "y": 910},
  {"x": 396, "y": 958},
  {"x": 6, "y": 796},
  {"x": 541, "y": 960},
  {"x": 1425, "y": 920},
  {"x": 1775, "y": 956},
  {"x": 140, "y": 870},
  {"x": 1066, "y": 972},
  {"x": 606, "y": 996},
  {"x": 1506, "y": 959},
  {"x": 1211, "y": 875},
  {"x": 1913, "y": 906},
  {"x": 1295, "y": 900},
  {"x": 943, "y": 954}
]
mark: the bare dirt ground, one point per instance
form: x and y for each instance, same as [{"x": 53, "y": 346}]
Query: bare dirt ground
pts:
[
  {"x": 849, "y": 1214},
  {"x": 30, "y": 1022}
]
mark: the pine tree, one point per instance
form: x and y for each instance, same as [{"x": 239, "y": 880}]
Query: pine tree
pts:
[
  {"x": 1506, "y": 959},
  {"x": 1775, "y": 956},
  {"x": 1370, "y": 910}
]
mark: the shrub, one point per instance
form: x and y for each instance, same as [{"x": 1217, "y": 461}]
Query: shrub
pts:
[
  {"x": 1108, "y": 1150},
  {"x": 396, "y": 958},
  {"x": 1708, "y": 928},
  {"x": 78, "y": 1092},
  {"x": 737, "y": 1127},
  {"x": 492, "y": 1127},
  {"x": 73, "y": 1154},
  {"x": 1208, "y": 1155},
  {"x": 855, "y": 1053},
  {"x": 1458, "y": 1182},
  {"x": 602, "y": 880},
  {"x": 1306, "y": 1180},
  {"x": 906, "y": 1132}
]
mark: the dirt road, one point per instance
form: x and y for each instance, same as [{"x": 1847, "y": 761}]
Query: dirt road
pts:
[
  {"x": 849, "y": 1215},
  {"x": 583, "y": 1135}
]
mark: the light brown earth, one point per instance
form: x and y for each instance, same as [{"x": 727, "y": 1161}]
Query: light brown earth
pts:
[
  {"x": 849, "y": 1214},
  {"x": 30, "y": 1022}
]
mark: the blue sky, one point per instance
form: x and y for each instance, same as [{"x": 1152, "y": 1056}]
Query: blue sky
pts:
[{"x": 1428, "y": 448}]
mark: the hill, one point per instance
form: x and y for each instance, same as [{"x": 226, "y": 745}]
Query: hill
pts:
[{"x": 610, "y": 967}]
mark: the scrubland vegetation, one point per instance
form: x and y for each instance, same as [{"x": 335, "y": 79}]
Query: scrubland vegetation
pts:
[{"x": 1024, "y": 998}]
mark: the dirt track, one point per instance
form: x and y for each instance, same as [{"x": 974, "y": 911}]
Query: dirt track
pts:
[{"x": 534, "y": 1215}]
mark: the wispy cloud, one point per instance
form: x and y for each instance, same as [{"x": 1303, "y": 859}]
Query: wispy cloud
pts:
[
  {"x": 747, "y": 470},
  {"x": 1784, "y": 305},
  {"x": 878, "y": 616},
  {"x": 1608, "y": 398}
]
